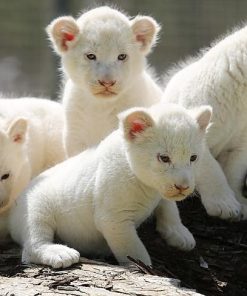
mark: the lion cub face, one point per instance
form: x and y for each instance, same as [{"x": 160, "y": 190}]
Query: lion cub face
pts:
[
  {"x": 13, "y": 156},
  {"x": 103, "y": 51},
  {"x": 164, "y": 146}
]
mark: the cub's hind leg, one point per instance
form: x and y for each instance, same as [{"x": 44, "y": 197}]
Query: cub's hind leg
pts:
[{"x": 40, "y": 249}]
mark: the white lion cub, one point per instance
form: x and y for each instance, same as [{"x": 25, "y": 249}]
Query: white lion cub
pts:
[
  {"x": 96, "y": 200},
  {"x": 31, "y": 140},
  {"x": 103, "y": 56},
  {"x": 219, "y": 78}
]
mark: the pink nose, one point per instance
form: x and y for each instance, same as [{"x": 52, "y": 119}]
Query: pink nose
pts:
[
  {"x": 181, "y": 187},
  {"x": 107, "y": 83}
]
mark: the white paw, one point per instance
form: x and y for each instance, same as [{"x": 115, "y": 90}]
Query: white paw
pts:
[
  {"x": 224, "y": 208},
  {"x": 178, "y": 236},
  {"x": 57, "y": 256}
]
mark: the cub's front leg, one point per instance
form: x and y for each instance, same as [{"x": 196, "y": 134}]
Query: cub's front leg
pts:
[
  {"x": 170, "y": 227},
  {"x": 123, "y": 241},
  {"x": 234, "y": 164},
  {"x": 216, "y": 195},
  {"x": 74, "y": 130}
]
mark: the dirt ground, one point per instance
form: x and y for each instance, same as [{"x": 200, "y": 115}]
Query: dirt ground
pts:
[{"x": 217, "y": 266}]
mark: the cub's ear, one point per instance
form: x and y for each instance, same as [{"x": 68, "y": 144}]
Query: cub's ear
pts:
[
  {"x": 134, "y": 123},
  {"x": 63, "y": 33},
  {"x": 145, "y": 31},
  {"x": 203, "y": 115},
  {"x": 17, "y": 130}
]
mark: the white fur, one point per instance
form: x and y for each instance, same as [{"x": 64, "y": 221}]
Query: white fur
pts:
[
  {"x": 90, "y": 110},
  {"x": 31, "y": 140},
  {"x": 95, "y": 200},
  {"x": 218, "y": 78}
]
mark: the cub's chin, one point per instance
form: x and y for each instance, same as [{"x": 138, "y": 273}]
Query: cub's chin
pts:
[
  {"x": 177, "y": 196},
  {"x": 106, "y": 97},
  {"x": 105, "y": 94}
]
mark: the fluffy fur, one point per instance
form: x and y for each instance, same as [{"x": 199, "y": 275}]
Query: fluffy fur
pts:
[
  {"x": 30, "y": 142},
  {"x": 94, "y": 201},
  {"x": 218, "y": 78},
  {"x": 103, "y": 55}
]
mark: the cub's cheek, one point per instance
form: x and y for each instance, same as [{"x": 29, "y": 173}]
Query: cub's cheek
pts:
[
  {"x": 3, "y": 195},
  {"x": 4, "y": 201}
]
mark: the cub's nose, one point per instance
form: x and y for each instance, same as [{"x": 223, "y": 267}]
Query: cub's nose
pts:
[
  {"x": 181, "y": 187},
  {"x": 107, "y": 83}
]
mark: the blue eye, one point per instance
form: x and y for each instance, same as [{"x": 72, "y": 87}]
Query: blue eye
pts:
[
  {"x": 163, "y": 158},
  {"x": 122, "y": 57},
  {"x": 91, "y": 57}
]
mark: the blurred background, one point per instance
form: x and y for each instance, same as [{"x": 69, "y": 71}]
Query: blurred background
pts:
[{"x": 29, "y": 67}]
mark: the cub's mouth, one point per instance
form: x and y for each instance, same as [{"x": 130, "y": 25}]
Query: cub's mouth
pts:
[
  {"x": 105, "y": 90},
  {"x": 4, "y": 205},
  {"x": 106, "y": 93},
  {"x": 177, "y": 195}
]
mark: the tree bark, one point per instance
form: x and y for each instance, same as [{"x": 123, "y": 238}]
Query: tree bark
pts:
[{"x": 85, "y": 278}]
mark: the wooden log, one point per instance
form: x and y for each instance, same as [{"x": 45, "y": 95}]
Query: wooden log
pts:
[{"x": 85, "y": 278}]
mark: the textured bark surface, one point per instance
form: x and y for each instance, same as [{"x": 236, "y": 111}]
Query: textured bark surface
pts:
[{"x": 86, "y": 278}]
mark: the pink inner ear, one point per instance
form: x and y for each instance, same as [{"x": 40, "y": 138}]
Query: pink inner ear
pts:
[
  {"x": 17, "y": 138},
  {"x": 67, "y": 37},
  {"x": 141, "y": 38},
  {"x": 136, "y": 127}
]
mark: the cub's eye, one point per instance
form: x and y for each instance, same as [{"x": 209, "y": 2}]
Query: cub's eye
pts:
[
  {"x": 4, "y": 177},
  {"x": 122, "y": 57},
  {"x": 91, "y": 56},
  {"x": 193, "y": 158},
  {"x": 163, "y": 158}
]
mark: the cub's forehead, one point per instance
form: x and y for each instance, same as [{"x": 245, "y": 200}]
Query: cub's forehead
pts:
[
  {"x": 102, "y": 20},
  {"x": 178, "y": 139},
  {"x": 105, "y": 25},
  {"x": 175, "y": 126},
  {"x": 172, "y": 114},
  {"x": 102, "y": 32}
]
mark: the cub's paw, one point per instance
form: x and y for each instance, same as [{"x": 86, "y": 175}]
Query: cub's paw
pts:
[
  {"x": 59, "y": 256},
  {"x": 178, "y": 236},
  {"x": 224, "y": 208}
]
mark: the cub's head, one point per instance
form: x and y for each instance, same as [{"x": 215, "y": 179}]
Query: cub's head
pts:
[
  {"x": 103, "y": 51},
  {"x": 164, "y": 146},
  {"x": 12, "y": 157}
]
